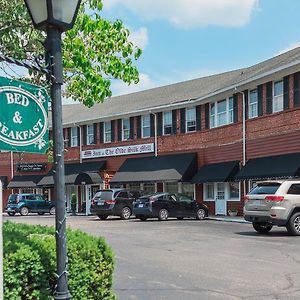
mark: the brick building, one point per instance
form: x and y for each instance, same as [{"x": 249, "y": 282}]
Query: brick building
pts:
[{"x": 211, "y": 137}]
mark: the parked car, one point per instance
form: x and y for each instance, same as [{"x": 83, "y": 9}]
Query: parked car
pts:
[
  {"x": 275, "y": 202},
  {"x": 113, "y": 202},
  {"x": 26, "y": 203},
  {"x": 165, "y": 205}
]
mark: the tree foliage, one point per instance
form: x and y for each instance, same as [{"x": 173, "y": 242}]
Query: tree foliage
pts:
[{"x": 94, "y": 51}]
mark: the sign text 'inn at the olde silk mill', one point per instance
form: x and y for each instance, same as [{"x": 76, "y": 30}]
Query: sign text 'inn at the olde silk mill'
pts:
[{"x": 23, "y": 117}]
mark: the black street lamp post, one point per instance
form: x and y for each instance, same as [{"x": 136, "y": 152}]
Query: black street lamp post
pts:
[{"x": 56, "y": 16}]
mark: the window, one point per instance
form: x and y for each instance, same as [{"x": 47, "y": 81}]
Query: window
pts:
[
  {"x": 107, "y": 132},
  {"x": 278, "y": 96},
  {"x": 74, "y": 136},
  {"x": 234, "y": 190},
  {"x": 145, "y": 126},
  {"x": 253, "y": 104},
  {"x": 187, "y": 189},
  {"x": 149, "y": 188},
  {"x": 171, "y": 187},
  {"x": 167, "y": 122},
  {"x": 90, "y": 138},
  {"x": 209, "y": 191},
  {"x": 294, "y": 189},
  {"x": 190, "y": 119},
  {"x": 122, "y": 194},
  {"x": 125, "y": 129},
  {"x": 221, "y": 112}
]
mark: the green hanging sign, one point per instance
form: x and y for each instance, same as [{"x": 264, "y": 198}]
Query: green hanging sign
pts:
[{"x": 23, "y": 117}]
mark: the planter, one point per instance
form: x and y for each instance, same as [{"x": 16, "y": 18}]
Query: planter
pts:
[{"x": 232, "y": 213}]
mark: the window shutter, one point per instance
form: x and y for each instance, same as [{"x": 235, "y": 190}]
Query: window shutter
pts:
[
  {"x": 78, "y": 136},
  {"x": 95, "y": 133},
  {"x": 101, "y": 133},
  {"x": 131, "y": 129},
  {"x": 207, "y": 115},
  {"x": 286, "y": 90},
  {"x": 112, "y": 122},
  {"x": 269, "y": 98},
  {"x": 296, "y": 89},
  {"x": 119, "y": 129},
  {"x": 84, "y": 131},
  {"x": 198, "y": 117},
  {"x": 152, "y": 125},
  {"x": 235, "y": 108},
  {"x": 159, "y": 124},
  {"x": 174, "y": 121},
  {"x": 182, "y": 120},
  {"x": 260, "y": 100},
  {"x": 69, "y": 136},
  {"x": 246, "y": 97},
  {"x": 139, "y": 127}
]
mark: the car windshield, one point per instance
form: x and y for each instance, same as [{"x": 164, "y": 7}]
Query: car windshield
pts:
[
  {"x": 104, "y": 195},
  {"x": 265, "y": 188},
  {"x": 12, "y": 198}
]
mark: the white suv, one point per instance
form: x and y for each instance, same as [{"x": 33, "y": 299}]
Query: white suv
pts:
[{"x": 275, "y": 202}]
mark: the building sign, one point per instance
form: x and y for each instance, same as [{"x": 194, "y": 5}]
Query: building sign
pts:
[
  {"x": 117, "y": 151},
  {"x": 31, "y": 167},
  {"x": 23, "y": 117}
]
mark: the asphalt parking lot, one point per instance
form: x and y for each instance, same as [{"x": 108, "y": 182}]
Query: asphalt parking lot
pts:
[{"x": 192, "y": 259}]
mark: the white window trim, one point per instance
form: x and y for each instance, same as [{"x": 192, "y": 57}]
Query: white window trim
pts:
[
  {"x": 251, "y": 104},
  {"x": 204, "y": 190},
  {"x": 216, "y": 113},
  {"x": 123, "y": 130},
  {"x": 106, "y": 131},
  {"x": 227, "y": 192},
  {"x": 171, "y": 124},
  {"x": 72, "y": 137},
  {"x": 186, "y": 120},
  {"x": 227, "y": 199},
  {"x": 88, "y": 135},
  {"x": 278, "y": 96},
  {"x": 148, "y": 126}
]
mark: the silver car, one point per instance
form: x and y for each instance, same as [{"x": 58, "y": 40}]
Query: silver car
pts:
[{"x": 275, "y": 202}]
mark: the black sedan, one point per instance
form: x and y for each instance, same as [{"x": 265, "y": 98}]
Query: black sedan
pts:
[{"x": 165, "y": 205}]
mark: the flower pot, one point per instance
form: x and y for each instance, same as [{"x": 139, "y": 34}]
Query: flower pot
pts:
[{"x": 232, "y": 213}]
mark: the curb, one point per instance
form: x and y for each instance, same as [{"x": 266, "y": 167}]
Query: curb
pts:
[{"x": 241, "y": 221}]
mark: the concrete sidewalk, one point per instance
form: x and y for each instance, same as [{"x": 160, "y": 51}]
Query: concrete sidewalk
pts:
[{"x": 228, "y": 219}]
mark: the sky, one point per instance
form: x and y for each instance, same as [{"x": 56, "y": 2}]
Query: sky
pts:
[{"x": 187, "y": 39}]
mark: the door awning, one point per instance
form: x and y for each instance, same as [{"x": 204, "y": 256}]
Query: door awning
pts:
[
  {"x": 77, "y": 174},
  {"x": 218, "y": 172},
  {"x": 24, "y": 181},
  {"x": 177, "y": 167},
  {"x": 279, "y": 166}
]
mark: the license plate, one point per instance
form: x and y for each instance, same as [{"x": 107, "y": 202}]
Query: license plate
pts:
[
  {"x": 141, "y": 205},
  {"x": 100, "y": 203},
  {"x": 256, "y": 202}
]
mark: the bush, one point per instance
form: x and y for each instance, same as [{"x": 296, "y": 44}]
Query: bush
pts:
[{"x": 30, "y": 264}]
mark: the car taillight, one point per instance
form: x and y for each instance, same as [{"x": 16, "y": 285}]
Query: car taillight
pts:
[
  {"x": 274, "y": 198},
  {"x": 110, "y": 201}
]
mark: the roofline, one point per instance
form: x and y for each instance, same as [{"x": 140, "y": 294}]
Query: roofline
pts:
[{"x": 182, "y": 103}]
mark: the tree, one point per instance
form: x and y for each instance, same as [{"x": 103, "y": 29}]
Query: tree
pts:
[{"x": 94, "y": 51}]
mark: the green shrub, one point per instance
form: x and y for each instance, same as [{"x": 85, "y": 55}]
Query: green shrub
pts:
[{"x": 30, "y": 264}]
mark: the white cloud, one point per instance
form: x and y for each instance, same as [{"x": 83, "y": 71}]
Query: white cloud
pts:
[
  {"x": 288, "y": 48},
  {"x": 139, "y": 37},
  {"x": 191, "y": 13}
]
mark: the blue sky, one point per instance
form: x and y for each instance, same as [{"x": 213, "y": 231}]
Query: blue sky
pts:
[{"x": 186, "y": 39}]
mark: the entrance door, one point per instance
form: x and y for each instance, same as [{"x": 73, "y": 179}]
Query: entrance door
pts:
[{"x": 220, "y": 201}]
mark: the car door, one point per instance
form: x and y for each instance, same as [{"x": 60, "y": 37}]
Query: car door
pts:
[
  {"x": 186, "y": 205},
  {"x": 30, "y": 202},
  {"x": 122, "y": 200},
  {"x": 41, "y": 204},
  {"x": 173, "y": 206}
]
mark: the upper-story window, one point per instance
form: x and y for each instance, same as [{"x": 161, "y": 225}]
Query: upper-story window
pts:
[
  {"x": 74, "y": 136},
  {"x": 278, "y": 96},
  {"x": 90, "y": 137},
  {"x": 221, "y": 112},
  {"x": 167, "y": 122},
  {"x": 107, "y": 132},
  {"x": 253, "y": 104},
  {"x": 125, "y": 129},
  {"x": 190, "y": 119},
  {"x": 146, "y": 126}
]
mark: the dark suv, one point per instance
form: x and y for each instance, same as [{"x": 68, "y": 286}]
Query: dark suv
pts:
[
  {"x": 113, "y": 202},
  {"x": 26, "y": 203},
  {"x": 165, "y": 205}
]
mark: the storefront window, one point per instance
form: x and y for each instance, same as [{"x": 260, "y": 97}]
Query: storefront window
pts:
[
  {"x": 188, "y": 189},
  {"x": 134, "y": 186},
  {"x": 171, "y": 187},
  {"x": 209, "y": 193},
  {"x": 234, "y": 190},
  {"x": 149, "y": 188}
]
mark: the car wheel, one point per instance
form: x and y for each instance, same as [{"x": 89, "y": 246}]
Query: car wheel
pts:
[
  {"x": 163, "y": 215},
  {"x": 200, "y": 215},
  {"x": 262, "y": 227},
  {"x": 52, "y": 210},
  {"x": 126, "y": 213},
  {"x": 24, "y": 211},
  {"x": 102, "y": 217},
  {"x": 11, "y": 214},
  {"x": 293, "y": 225},
  {"x": 143, "y": 218},
  {"x": 179, "y": 218},
  {"x": 40, "y": 213}
]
